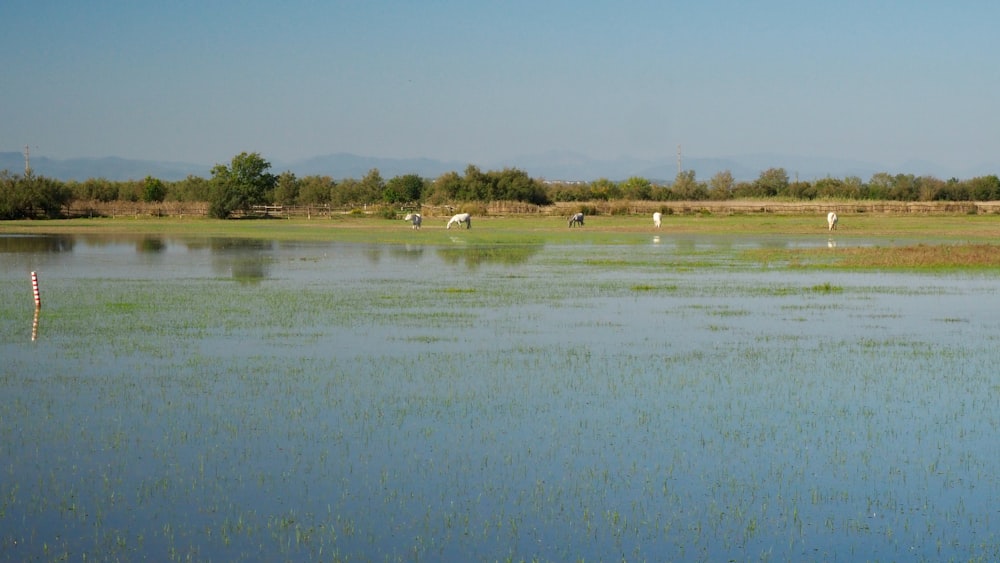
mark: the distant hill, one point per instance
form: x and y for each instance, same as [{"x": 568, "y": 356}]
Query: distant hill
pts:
[
  {"x": 111, "y": 168},
  {"x": 346, "y": 165},
  {"x": 552, "y": 165}
]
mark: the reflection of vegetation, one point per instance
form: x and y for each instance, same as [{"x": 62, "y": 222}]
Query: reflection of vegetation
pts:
[
  {"x": 224, "y": 245},
  {"x": 243, "y": 259},
  {"x": 150, "y": 244},
  {"x": 250, "y": 269},
  {"x": 408, "y": 251},
  {"x": 36, "y": 243},
  {"x": 476, "y": 255}
]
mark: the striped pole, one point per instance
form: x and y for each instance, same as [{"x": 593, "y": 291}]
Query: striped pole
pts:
[{"x": 34, "y": 286}]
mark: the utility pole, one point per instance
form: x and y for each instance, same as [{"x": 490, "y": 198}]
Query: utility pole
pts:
[
  {"x": 679, "y": 168},
  {"x": 27, "y": 161}
]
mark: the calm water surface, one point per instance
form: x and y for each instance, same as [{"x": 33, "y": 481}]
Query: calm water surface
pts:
[{"x": 218, "y": 399}]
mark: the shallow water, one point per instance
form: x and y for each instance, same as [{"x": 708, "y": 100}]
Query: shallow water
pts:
[{"x": 226, "y": 399}]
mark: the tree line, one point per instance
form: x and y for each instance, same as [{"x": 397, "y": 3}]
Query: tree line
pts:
[{"x": 247, "y": 181}]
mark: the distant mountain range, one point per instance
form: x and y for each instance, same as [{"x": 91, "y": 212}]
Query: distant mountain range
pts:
[
  {"x": 111, "y": 168},
  {"x": 553, "y": 165}
]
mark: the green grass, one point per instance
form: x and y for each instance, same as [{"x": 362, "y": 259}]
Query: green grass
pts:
[
  {"x": 927, "y": 257},
  {"x": 600, "y": 229}
]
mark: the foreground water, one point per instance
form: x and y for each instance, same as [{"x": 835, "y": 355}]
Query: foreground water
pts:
[{"x": 222, "y": 400}]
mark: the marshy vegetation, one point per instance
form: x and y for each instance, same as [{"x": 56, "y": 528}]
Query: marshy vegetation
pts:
[{"x": 720, "y": 392}]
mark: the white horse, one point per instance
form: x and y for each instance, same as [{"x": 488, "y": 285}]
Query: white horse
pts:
[
  {"x": 831, "y": 220},
  {"x": 459, "y": 219},
  {"x": 656, "y": 219},
  {"x": 415, "y": 219},
  {"x": 576, "y": 219}
]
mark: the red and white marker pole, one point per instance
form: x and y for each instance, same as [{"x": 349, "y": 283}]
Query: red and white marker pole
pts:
[{"x": 34, "y": 286}]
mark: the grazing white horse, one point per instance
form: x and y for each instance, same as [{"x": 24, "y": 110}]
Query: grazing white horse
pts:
[
  {"x": 415, "y": 219},
  {"x": 459, "y": 219},
  {"x": 831, "y": 220},
  {"x": 656, "y": 219},
  {"x": 576, "y": 219}
]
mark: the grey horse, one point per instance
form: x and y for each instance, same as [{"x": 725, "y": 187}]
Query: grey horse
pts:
[
  {"x": 415, "y": 219},
  {"x": 576, "y": 219}
]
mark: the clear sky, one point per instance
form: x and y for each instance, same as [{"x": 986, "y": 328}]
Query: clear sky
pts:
[{"x": 481, "y": 81}]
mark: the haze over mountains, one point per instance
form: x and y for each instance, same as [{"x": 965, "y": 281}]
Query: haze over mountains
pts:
[{"x": 552, "y": 165}]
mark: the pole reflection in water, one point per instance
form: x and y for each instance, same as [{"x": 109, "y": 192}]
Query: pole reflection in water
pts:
[{"x": 34, "y": 325}]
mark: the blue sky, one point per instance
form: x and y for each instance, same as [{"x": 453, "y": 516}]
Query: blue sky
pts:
[{"x": 480, "y": 82}]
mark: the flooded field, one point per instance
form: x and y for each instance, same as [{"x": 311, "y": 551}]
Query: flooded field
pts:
[{"x": 225, "y": 399}]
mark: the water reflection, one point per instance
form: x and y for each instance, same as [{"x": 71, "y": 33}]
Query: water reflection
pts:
[
  {"x": 150, "y": 244},
  {"x": 373, "y": 254},
  {"x": 474, "y": 256},
  {"x": 34, "y": 324},
  {"x": 408, "y": 252},
  {"x": 774, "y": 243},
  {"x": 246, "y": 260},
  {"x": 680, "y": 388},
  {"x": 36, "y": 244}
]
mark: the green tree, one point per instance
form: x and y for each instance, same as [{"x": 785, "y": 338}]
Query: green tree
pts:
[
  {"x": 984, "y": 188},
  {"x": 829, "y": 187},
  {"x": 316, "y": 190},
  {"x": 475, "y": 185},
  {"x": 571, "y": 191},
  {"x": 192, "y": 188},
  {"x": 879, "y": 186},
  {"x": 403, "y": 189},
  {"x": 771, "y": 182},
  {"x": 720, "y": 187},
  {"x": 636, "y": 188},
  {"x": 930, "y": 188},
  {"x": 153, "y": 190},
  {"x": 904, "y": 187},
  {"x": 100, "y": 189},
  {"x": 954, "y": 190},
  {"x": 512, "y": 184},
  {"x": 131, "y": 190},
  {"x": 447, "y": 187},
  {"x": 801, "y": 189},
  {"x": 32, "y": 196},
  {"x": 372, "y": 186},
  {"x": 852, "y": 187},
  {"x": 686, "y": 187},
  {"x": 286, "y": 189},
  {"x": 604, "y": 189},
  {"x": 241, "y": 185}
]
